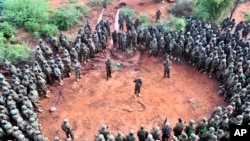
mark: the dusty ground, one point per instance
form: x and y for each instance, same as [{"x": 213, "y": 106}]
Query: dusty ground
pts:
[{"x": 94, "y": 100}]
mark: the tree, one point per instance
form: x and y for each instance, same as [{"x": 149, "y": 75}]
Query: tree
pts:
[{"x": 212, "y": 9}]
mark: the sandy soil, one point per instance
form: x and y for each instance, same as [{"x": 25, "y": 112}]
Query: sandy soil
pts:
[{"x": 94, "y": 100}]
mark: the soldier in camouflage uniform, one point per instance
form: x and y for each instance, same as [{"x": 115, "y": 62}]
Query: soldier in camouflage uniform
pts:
[
  {"x": 167, "y": 65},
  {"x": 104, "y": 130},
  {"x": 108, "y": 68},
  {"x": 142, "y": 133},
  {"x": 138, "y": 83},
  {"x": 131, "y": 135},
  {"x": 120, "y": 136},
  {"x": 77, "y": 67},
  {"x": 67, "y": 128}
]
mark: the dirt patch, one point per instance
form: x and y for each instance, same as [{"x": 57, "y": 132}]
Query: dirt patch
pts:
[{"x": 94, "y": 100}]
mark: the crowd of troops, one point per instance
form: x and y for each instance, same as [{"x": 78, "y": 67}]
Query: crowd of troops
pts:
[
  {"x": 55, "y": 59},
  {"x": 220, "y": 52}
]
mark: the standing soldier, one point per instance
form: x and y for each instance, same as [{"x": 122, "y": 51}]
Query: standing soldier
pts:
[
  {"x": 108, "y": 68},
  {"x": 77, "y": 67},
  {"x": 121, "y": 21},
  {"x": 142, "y": 133},
  {"x": 167, "y": 65},
  {"x": 67, "y": 128},
  {"x": 138, "y": 84},
  {"x": 158, "y": 14},
  {"x": 131, "y": 136}
]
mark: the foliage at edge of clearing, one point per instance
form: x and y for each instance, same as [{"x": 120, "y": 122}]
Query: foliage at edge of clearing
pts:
[
  {"x": 212, "y": 10},
  {"x": 17, "y": 12},
  {"x": 124, "y": 11}
]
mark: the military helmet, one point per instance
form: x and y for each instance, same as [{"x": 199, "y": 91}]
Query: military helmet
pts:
[
  {"x": 20, "y": 137},
  {"x": 111, "y": 138},
  {"x": 211, "y": 129},
  {"x": 65, "y": 120},
  {"x": 150, "y": 136},
  {"x": 191, "y": 121},
  {"x": 131, "y": 131}
]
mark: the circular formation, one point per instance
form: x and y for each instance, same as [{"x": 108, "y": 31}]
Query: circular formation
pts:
[{"x": 220, "y": 52}]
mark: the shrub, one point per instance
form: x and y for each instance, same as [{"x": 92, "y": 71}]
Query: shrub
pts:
[
  {"x": 124, "y": 11},
  {"x": 7, "y": 30},
  {"x": 82, "y": 9},
  {"x": 17, "y": 12},
  {"x": 97, "y": 3},
  {"x": 183, "y": 8},
  {"x": 176, "y": 23},
  {"x": 144, "y": 20},
  {"x": 248, "y": 16},
  {"x": 68, "y": 16},
  {"x": 16, "y": 53},
  {"x": 164, "y": 23},
  {"x": 48, "y": 30},
  {"x": 32, "y": 26},
  {"x": 2, "y": 39},
  {"x": 212, "y": 10}
]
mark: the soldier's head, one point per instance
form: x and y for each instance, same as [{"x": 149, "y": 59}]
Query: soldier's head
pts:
[
  {"x": 65, "y": 120},
  {"x": 131, "y": 131},
  {"x": 20, "y": 137},
  {"x": 142, "y": 126},
  {"x": 211, "y": 130},
  {"x": 119, "y": 133}
]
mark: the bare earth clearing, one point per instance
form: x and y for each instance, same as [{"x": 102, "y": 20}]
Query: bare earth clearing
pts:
[{"x": 94, "y": 100}]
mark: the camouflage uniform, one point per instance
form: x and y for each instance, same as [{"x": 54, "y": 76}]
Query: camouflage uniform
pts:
[
  {"x": 67, "y": 128},
  {"x": 131, "y": 136},
  {"x": 142, "y": 133},
  {"x": 167, "y": 65},
  {"x": 138, "y": 84},
  {"x": 108, "y": 68}
]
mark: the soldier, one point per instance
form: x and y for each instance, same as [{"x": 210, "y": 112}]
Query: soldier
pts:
[
  {"x": 138, "y": 84},
  {"x": 104, "y": 130},
  {"x": 38, "y": 136},
  {"x": 34, "y": 97},
  {"x": 67, "y": 128},
  {"x": 120, "y": 137},
  {"x": 77, "y": 67},
  {"x": 99, "y": 138},
  {"x": 190, "y": 129},
  {"x": 131, "y": 135},
  {"x": 121, "y": 21},
  {"x": 183, "y": 137},
  {"x": 166, "y": 131},
  {"x": 58, "y": 74},
  {"x": 42, "y": 87},
  {"x": 158, "y": 14},
  {"x": 155, "y": 132},
  {"x": 178, "y": 127},
  {"x": 167, "y": 65},
  {"x": 142, "y": 133},
  {"x": 149, "y": 138},
  {"x": 108, "y": 68}
]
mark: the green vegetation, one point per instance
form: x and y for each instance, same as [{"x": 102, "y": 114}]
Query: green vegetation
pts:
[
  {"x": 97, "y": 3},
  {"x": 18, "y": 12},
  {"x": 15, "y": 53},
  {"x": 212, "y": 10},
  {"x": 68, "y": 16},
  {"x": 7, "y": 30},
  {"x": 48, "y": 30},
  {"x": 248, "y": 16},
  {"x": 31, "y": 26},
  {"x": 144, "y": 20},
  {"x": 172, "y": 23},
  {"x": 124, "y": 11}
]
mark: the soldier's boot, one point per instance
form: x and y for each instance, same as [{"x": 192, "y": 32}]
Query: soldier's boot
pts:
[
  {"x": 135, "y": 96},
  {"x": 80, "y": 76},
  {"x": 61, "y": 83},
  {"x": 47, "y": 96},
  {"x": 139, "y": 94},
  {"x": 77, "y": 80}
]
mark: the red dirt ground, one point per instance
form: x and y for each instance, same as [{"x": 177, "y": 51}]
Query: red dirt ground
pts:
[{"x": 94, "y": 100}]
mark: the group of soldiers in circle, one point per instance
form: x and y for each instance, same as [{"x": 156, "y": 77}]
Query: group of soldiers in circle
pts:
[{"x": 220, "y": 51}]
